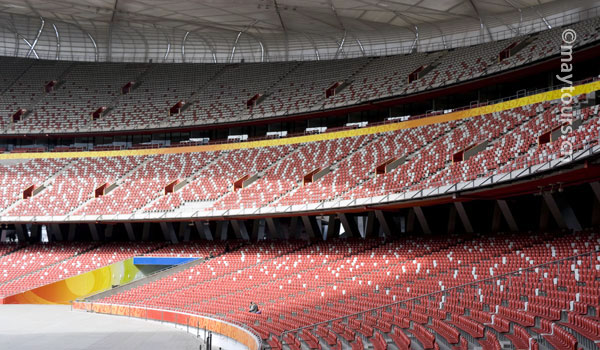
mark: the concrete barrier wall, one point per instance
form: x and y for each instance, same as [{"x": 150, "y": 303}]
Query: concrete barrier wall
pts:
[{"x": 230, "y": 330}]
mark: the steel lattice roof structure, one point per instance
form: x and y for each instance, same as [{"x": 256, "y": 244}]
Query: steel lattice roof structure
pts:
[{"x": 267, "y": 30}]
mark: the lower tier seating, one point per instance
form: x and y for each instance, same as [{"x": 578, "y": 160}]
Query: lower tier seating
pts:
[{"x": 439, "y": 292}]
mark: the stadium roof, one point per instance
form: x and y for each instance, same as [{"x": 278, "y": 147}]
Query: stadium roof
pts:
[{"x": 262, "y": 30}]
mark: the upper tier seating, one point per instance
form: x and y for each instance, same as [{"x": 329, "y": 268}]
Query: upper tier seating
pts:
[
  {"x": 304, "y": 90},
  {"x": 86, "y": 88},
  {"x": 161, "y": 88},
  {"x": 549, "y": 43},
  {"x": 28, "y": 89},
  {"x": 225, "y": 98},
  {"x": 218, "y": 93}
]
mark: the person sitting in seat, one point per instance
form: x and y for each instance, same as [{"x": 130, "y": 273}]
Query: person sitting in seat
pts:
[{"x": 254, "y": 308}]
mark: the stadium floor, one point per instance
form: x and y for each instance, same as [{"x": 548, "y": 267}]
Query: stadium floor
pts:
[{"x": 57, "y": 327}]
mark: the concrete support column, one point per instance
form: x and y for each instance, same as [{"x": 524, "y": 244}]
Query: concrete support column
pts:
[
  {"x": 544, "y": 216},
  {"x": 168, "y": 232},
  {"x": 410, "y": 220},
  {"x": 422, "y": 220},
  {"x": 333, "y": 228},
  {"x": 35, "y": 233},
  {"x": 554, "y": 209},
  {"x": 506, "y": 212},
  {"x": 204, "y": 231},
  {"x": 464, "y": 218},
  {"x": 94, "y": 232},
  {"x": 349, "y": 224},
  {"x": 146, "y": 231},
  {"x": 54, "y": 232},
  {"x": 294, "y": 228},
  {"x": 72, "y": 232},
  {"x": 274, "y": 228},
  {"x": 596, "y": 189},
  {"x": 239, "y": 229},
  {"x": 184, "y": 231},
  {"x": 129, "y": 230},
  {"x": 108, "y": 231},
  {"x": 222, "y": 229},
  {"x": 373, "y": 227},
  {"x": 568, "y": 214},
  {"x": 361, "y": 223},
  {"x": 451, "y": 220},
  {"x": 21, "y": 231},
  {"x": 496, "y": 218},
  {"x": 311, "y": 227},
  {"x": 258, "y": 230},
  {"x": 386, "y": 222}
]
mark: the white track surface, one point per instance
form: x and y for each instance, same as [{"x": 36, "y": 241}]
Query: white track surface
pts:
[{"x": 57, "y": 327}]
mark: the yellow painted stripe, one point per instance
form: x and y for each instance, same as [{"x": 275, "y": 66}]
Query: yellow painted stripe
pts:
[{"x": 458, "y": 115}]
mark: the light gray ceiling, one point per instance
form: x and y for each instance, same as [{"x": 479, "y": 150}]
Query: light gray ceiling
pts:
[
  {"x": 274, "y": 16},
  {"x": 278, "y": 28}
]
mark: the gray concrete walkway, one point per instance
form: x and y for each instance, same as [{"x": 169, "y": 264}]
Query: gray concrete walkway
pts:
[{"x": 24, "y": 327}]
